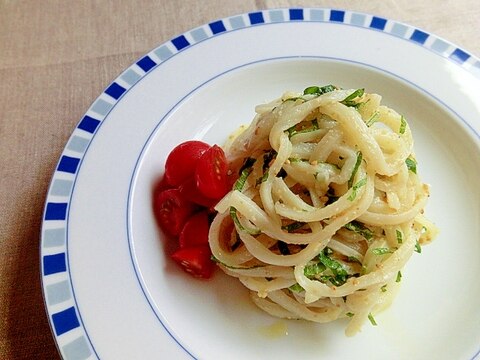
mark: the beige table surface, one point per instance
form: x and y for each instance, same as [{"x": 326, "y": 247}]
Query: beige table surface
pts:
[{"x": 56, "y": 57}]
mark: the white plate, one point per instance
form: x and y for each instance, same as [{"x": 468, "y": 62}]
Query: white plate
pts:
[{"x": 111, "y": 292}]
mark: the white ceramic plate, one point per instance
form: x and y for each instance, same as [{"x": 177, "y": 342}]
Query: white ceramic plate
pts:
[{"x": 111, "y": 292}]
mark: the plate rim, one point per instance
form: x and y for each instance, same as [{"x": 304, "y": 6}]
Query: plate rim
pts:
[{"x": 54, "y": 253}]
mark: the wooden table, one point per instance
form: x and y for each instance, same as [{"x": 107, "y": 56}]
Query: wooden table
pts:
[{"x": 56, "y": 57}]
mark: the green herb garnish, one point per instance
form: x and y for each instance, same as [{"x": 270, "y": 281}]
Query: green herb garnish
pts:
[
  {"x": 384, "y": 288},
  {"x": 403, "y": 125},
  {"x": 296, "y": 288},
  {"x": 294, "y": 130},
  {"x": 399, "y": 236},
  {"x": 418, "y": 248},
  {"x": 262, "y": 178},
  {"x": 296, "y": 160},
  {"x": 355, "y": 169},
  {"x": 245, "y": 172},
  {"x": 372, "y": 320},
  {"x": 315, "y": 90},
  {"x": 360, "y": 229},
  {"x": 350, "y": 314},
  {"x": 240, "y": 183},
  {"x": 267, "y": 159},
  {"x": 215, "y": 260},
  {"x": 355, "y": 188},
  {"x": 339, "y": 273},
  {"x": 382, "y": 251},
  {"x": 293, "y": 226},
  {"x": 373, "y": 119},
  {"x": 411, "y": 164},
  {"x": 399, "y": 277},
  {"x": 313, "y": 269},
  {"x": 348, "y": 101},
  {"x": 247, "y": 163},
  {"x": 335, "y": 280},
  {"x": 311, "y": 90},
  {"x": 233, "y": 215}
]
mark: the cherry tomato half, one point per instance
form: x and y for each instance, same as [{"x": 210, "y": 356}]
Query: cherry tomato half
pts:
[
  {"x": 190, "y": 191},
  {"x": 181, "y": 162},
  {"x": 195, "y": 261},
  {"x": 195, "y": 231},
  {"x": 161, "y": 185},
  {"x": 172, "y": 210},
  {"x": 211, "y": 173}
]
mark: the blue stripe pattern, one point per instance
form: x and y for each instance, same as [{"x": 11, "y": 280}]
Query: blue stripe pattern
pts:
[
  {"x": 56, "y": 211},
  {"x": 419, "y": 36},
  {"x": 88, "y": 124},
  {"x": 53, "y": 264},
  {"x": 146, "y": 63},
  {"x": 115, "y": 90},
  {"x": 459, "y": 56},
  {"x": 65, "y": 321},
  {"x": 378, "y": 23},
  {"x": 217, "y": 27},
  {"x": 68, "y": 164},
  {"x": 256, "y": 18},
  {"x": 180, "y": 42},
  {"x": 337, "y": 15},
  {"x": 296, "y": 14}
]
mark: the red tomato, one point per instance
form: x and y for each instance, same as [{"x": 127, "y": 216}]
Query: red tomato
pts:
[
  {"x": 189, "y": 190},
  {"x": 181, "y": 162},
  {"x": 211, "y": 173},
  {"x": 161, "y": 185},
  {"x": 172, "y": 210},
  {"x": 195, "y": 231},
  {"x": 195, "y": 260}
]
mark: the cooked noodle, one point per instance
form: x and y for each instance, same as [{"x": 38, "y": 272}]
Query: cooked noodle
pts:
[{"x": 328, "y": 207}]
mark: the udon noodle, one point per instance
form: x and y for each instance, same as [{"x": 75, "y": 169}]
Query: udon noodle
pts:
[{"x": 327, "y": 209}]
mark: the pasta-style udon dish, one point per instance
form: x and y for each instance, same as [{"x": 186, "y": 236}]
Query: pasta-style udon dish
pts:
[{"x": 327, "y": 209}]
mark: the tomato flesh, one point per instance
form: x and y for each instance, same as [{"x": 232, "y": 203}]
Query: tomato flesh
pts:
[
  {"x": 195, "y": 231},
  {"x": 195, "y": 261},
  {"x": 196, "y": 178},
  {"x": 172, "y": 210},
  {"x": 211, "y": 173},
  {"x": 182, "y": 160},
  {"x": 190, "y": 191}
]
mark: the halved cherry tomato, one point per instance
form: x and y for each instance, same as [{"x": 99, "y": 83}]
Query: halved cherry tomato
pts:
[
  {"x": 172, "y": 210},
  {"x": 211, "y": 173},
  {"x": 181, "y": 162},
  {"x": 161, "y": 185},
  {"x": 195, "y": 231},
  {"x": 195, "y": 261},
  {"x": 190, "y": 191}
]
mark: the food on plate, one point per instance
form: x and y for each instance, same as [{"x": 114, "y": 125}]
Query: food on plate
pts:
[
  {"x": 327, "y": 208},
  {"x": 195, "y": 180},
  {"x": 172, "y": 210},
  {"x": 181, "y": 162}
]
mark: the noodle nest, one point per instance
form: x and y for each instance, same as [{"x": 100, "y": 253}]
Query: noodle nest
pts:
[{"x": 327, "y": 208}]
